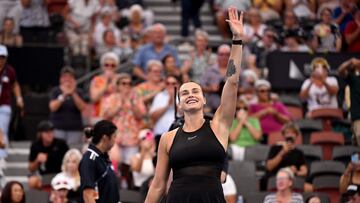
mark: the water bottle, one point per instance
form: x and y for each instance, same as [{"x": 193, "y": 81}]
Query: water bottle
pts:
[{"x": 240, "y": 199}]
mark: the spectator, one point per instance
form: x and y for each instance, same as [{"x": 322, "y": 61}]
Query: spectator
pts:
[
  {"x": 331, "y": 4},
  {"x": 80, "y": 16},
  {"x": 272, "y": 114},
  {"x": 170, "y": 67},
  {"x": 344, "y": 13},
  {"x": 110, "y": 44},
  {"x": 351, "y": 175},
  {"x": 66, "y": 104},
  {"x": 190, "y": 10},
  {"x": 291, "y": 23},
  {"x": 154, "y": 83},
  {"x": 247, "y": 87},
  {"x": 10, "y": 9},
  {"x": 245, "y": 131},
  {"x": 254, "y": 28},
  {"x": 103, "y": 25},
  {"x": 350, "y": 70},
  {"x": 320, "y": 90},
  {"x": 9, "y": 85},
  {"x": 352, "y": 194},
  {"x": 313, "y": 199},
  {"x": 13, "y": 192},
  {"x": 213, "y": 80},
  {"x": 352, "y": 33},
  {"x": 61, "y": 185},
  {"x": 7, "y": 35},
  {"x": 135, "y": 29},
  {"x": 327, "y": 36},
  {"x": 157, "y": 49},
  {"x": 46, "y": 154},
  {"x": 162, "y": 110},
  {"x": 34, "y": 22},
  {"x": 269, "y": 10},
  {"x": 200, "y": 59},
  {"x": 110, "y": 6},
  {"x": 284, "y": 183},
  {"x": 142, "y": 165},
  {"x": 302, "y": 9},
  {"x": 294, "y": 43},
  {"x": 103, "y": 84}
]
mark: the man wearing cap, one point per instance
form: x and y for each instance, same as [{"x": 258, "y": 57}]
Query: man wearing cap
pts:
[
  {"x": 61, "y": 186},
  {"x": 8, "y": 85},
  {"x": 66, "y": 104},
  {"x": 46, "y": 154}
]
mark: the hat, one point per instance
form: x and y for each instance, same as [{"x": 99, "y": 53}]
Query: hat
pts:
[
  {"x": 45, "y": 126},
  {"x": 3, "y": 51},
  {"x": 67, "y": 69},
  {"x": 60, "y": 181},
  {"x": 262, "y": 82},
  {"x": 146, "y": 134},
  {"x": 352, "y": 190}
]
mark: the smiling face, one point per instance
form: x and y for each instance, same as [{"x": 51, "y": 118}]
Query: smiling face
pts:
[
  {"x": 191, "y": 97},
  {"x": 17, "y": 193},
  {"x": 283, "y": 181}
]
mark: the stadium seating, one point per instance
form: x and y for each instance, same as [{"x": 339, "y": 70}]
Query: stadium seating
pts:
[{"x": 327, "y": 140}]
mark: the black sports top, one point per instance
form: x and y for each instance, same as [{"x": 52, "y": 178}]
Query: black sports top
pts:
[{"x": 196, "y": 153}]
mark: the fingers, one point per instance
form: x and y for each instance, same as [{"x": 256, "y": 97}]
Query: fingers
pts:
[{"x": 241, "y": 17}]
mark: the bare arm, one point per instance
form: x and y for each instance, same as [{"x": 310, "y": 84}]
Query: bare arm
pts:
[
  {"x": 303, "y": 171},
  {"x": 138, "y": 72},
  {"x": 55, "y": 104},
  {"x": 136, "y": 163},
  {"x": 255, "y": 133},
  {"x": 17, "y": 93},
  {"x": 332, "y": 89},
  {"x": 345, "y": 178},
  {"x": 79, "y": 102},
  {"x": 271, "y": 164},
  {"x": 304, "y": 94},
  {"x": 33, "y": 165},
  {"x": 88, "y": 196},
  {"x": 234, "y": 134}
]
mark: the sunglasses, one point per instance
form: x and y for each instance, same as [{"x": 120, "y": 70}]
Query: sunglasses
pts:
[
  {"x": 109, "y": 65},
  {"x": 263, "y": 91}
]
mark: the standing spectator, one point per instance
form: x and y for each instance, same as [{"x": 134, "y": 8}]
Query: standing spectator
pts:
[
  {"x": 13, "y": 192},
  {"x": 10, "y": 9},
  {"x": 80, "y": 16},
  {"x": 7, "y": 35},
  {"x": 66, "y": 104},
  {"x": 352, "y": 33},
  {"x": 156, "y": 49},
  {"x": 344, "y": 13},
  {"x": 46, "y": 154},
  {"x": 327, "y": 36},
  {"x": 190, "y": 10},
  {"x": 284, "y": 182},
  {"x": 350, "y": 70},
  {"x": 302, "y": 8},
  {"x": 254, "y": 28},
  {"x": 269, "y": 9},
  {"x": 8, "y": 85},
  {"x": 34, "y": 22},
  {"x": 320, "y": 90}
]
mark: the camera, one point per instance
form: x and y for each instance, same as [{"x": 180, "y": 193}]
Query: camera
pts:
[{"x": 355, "y": 158}]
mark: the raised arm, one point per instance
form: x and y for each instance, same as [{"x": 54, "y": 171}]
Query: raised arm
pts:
[{"x": 226, "y": 111}]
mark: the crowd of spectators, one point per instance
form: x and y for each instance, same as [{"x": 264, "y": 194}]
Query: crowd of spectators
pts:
[{"x": 142, "y": 102}]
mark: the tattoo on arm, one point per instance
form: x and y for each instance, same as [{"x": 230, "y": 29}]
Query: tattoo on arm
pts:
[{"x": 231, "y": 68}]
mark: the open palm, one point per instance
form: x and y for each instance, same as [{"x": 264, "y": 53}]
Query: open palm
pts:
[{"x": 235, "y": 22}]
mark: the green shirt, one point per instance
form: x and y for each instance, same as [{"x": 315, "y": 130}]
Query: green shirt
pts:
[{"x": 245, "y": 139}]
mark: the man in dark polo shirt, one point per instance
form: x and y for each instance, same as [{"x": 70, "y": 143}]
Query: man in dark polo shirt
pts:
[
  {"x": 46, "y": 154},
  {"x": 8, "y": 85}
]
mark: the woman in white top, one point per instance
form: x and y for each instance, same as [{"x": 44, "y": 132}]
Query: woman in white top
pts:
[
  {"x": 254, "y": 28},
  {"x": 320, "y": 90}
]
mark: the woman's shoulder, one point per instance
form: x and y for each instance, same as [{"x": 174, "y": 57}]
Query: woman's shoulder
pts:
[{"x": 296, "y": 198}]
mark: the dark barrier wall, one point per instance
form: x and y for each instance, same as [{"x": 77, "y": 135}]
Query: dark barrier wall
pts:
[
  {"x": 37, "y": 66},
  {"x": 287, "y": 71}
]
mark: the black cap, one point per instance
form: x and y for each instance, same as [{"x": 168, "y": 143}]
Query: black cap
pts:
[
  {"x": 45, "y": 126},
  {"x": 352, "y": 190}
]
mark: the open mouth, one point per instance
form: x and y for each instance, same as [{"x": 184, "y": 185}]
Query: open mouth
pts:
[{"x": 191, "y": 101}]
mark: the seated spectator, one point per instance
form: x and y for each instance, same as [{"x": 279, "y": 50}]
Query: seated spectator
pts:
[
  {"x": 200, "y": 59},
  {"x": 156, "y": 49},
  {"x": 351, "y": 175},
  {"x": 247, "y": 88},
  {"x": 105, "y": 83},
  {"x": 284, "y": 183},
  {"x": 66, "y": 104},
  {"x": 46, "y": 154},
  {"x": 272, "y": 114},
  {"x": 61, "y": 185},
  {"x": 344, "y": 13},
  {"x": 294, "y": 43},
  {"x": 352, "y": 194},
  {"x": 170, "y": 67},
  {"x": 136, "y": 26},
  {"x": 245, "y": 131},
  {"x": 327, "y": 36},
  {"x": 141, "y": 164},
  {"x": 291, "y": 23},
  {"x": 110, "y": 44},
  {"x": 34, "y": 21},
  {"x": 320, "y": 90},
  {"x": 111, "y": 7},
  {"x": 352, "y": 33},
  {"x": 269, "y": 10},
  {"x": 254, "y": 28},
  {"x": 313, "y": 199},
  {"x": 11, "y": 9},
  {"x": 105, "y": 23},
  {"x": 331, "y": 4},
  {"x": 13, "y": 192},
  {"x": 213, "y": 79},
  {"x": 79, "y": 23},
  {"x": 7, "y": 35},
  {"x": 302, "y": 9}
]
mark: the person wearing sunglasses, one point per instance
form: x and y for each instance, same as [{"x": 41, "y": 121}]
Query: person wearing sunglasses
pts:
[{"x": 196, "y": 151}]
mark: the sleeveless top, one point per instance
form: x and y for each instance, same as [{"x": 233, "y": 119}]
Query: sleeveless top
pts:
[{"x": 196, "y": 153}]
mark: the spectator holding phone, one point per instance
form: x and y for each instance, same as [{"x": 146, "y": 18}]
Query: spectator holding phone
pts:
[{"x": 351, "y": 175}]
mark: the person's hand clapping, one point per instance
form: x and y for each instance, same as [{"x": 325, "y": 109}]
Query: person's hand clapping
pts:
[{"x": 41, "y": 157}]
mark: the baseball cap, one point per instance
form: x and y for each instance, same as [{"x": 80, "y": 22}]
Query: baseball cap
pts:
[
  {"x": 3, "y": 51},
  {"x": 45, "y": 126},
  {"x": 60, "y": 181},
  {"x": 352, "y": 190},
  {"x": 262, "y": 82}
]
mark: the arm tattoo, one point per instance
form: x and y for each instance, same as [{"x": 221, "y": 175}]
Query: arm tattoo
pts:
[{"x": 230, "y": 68}]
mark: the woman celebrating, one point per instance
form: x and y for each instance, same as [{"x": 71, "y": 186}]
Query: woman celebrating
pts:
[
  {"x": 98, "y": 180},
  {"x": 198, "y": 147}
]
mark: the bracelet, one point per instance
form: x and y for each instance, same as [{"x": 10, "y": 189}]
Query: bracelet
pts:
[{"x": 237, "y": 42}]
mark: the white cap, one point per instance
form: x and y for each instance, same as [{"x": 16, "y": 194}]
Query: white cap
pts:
[
  {"x": 146, "y": 133},
  {"x": 262, "y": 82},
  {"x": 60, "y": 181},
  {"x": 3, "y": 51}
]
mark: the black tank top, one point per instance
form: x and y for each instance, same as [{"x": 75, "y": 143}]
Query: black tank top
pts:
[{"x": 196, "y": 153}]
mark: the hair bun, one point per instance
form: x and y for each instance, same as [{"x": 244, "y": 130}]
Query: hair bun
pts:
[{"x": 89, "y": 132}]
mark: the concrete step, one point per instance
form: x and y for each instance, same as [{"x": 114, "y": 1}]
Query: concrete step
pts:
[
  {"x": 16, "y": 171},
  {"x": 17, "y": 158},
  {"x": 20, "y": 144}
]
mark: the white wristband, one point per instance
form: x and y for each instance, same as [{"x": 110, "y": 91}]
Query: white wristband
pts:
[{"x": 61, "y": 98}]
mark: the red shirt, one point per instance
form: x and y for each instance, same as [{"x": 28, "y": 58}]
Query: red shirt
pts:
[
  {"x": 355, "y": 45},
  {"x": 7, "y": 80}
]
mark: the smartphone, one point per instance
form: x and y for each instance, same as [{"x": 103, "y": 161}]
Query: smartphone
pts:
[{"x": 355, "y": 158}]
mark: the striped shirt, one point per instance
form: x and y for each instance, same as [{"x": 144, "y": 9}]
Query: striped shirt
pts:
[{"x": 295, "y": 198}]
